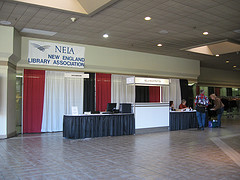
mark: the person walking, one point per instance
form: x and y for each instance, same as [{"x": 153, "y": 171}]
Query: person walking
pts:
[
  {"x": 218, "y": 107},
  {"x": 201, "y": 102}
]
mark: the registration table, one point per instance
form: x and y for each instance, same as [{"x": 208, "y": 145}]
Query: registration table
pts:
[
  {"x": 180, "y": 120},
  {"x": 98, "y": 125}
]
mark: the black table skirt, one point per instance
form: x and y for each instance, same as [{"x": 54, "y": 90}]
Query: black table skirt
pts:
[
  {"x": 89, "y": 126},
  {"x": 184, "y": 120}
]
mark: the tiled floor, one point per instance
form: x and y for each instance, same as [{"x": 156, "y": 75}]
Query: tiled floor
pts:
[{"x": 186, "y": 154}]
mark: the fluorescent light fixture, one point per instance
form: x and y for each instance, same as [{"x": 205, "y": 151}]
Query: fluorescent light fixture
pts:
[
  {"x": 205, "y": 33},
  {"x": 37, "y": 31},
  {"x": 159, "y": 45},
  {"x": 237, "y": 31},
  {"x": 105, "y": 36},
  {"x": 163, "y": 32},
  {"x": 147, "y": 18},
  {"x": 217, "y": 55},
  {"x": 5, "y": 22}
]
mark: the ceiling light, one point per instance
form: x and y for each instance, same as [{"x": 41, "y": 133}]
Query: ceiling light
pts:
[
  {"x": 73, "y": 19},
  {"x": 205, "y": 33},
  {"x": 159, "y": 45},
  {"x": 37, "y": 31},
  {"x": 5, "y": 22},
  {"x": 217, "y": 55},
  {"x": 163, "y": 32},
  {"x": 105, "y": 36},
  {"x": 234, "y": 66},
  {"x": 227, "y": 61},
  {"x": 147, "y": 18}
]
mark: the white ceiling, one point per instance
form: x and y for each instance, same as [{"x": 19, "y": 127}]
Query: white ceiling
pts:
[{"x": 185, "y": 21}]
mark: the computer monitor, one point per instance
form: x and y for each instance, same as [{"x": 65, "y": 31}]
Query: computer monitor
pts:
[
  {"x": 125, "y": 107},
  {"x": 111, "y": 107}
]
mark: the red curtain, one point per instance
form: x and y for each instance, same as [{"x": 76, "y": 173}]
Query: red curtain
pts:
[
  {"x": 103, "y": 91},
  {"x": 33, "y": 99},
  {"x": 217, "y": 91},
  {"x": 197, "y": 90},
  {"x": 154, "y": 94}
]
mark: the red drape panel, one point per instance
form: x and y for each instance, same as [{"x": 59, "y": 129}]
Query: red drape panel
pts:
[
  {"x": 217, "y": 91},
  {"x": 33, "y": 99},
  {"x": 197, "y": 90},
  {"x": 103, "y": 91},
  {"x": 154, "y": 94}
]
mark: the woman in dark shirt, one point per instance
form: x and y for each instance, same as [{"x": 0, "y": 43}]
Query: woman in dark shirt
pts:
[{"x": 218, "y": 107}]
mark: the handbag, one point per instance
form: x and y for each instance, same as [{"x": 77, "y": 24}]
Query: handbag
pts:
[
  {"x": 200, "y": 108},
  {"x": 218, "y": 111}
]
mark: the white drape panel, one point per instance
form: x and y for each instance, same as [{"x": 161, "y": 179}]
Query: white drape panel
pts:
[
  {"x": 120, "y": 91},
  {"x": 73, "y": 94},
  {"x": 165, "y": 93},
  {"x": 60, "y": 95},
  {"x": 175, "y": 92}
]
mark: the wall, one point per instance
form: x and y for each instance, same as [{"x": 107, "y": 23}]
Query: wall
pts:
[
  {"x": 11, "y": 99},
  {"x": 3, "y": 101},
  {"x": 6, "y": 43},
  {"x": 10, "y": 52},
  {"x": 219, "y": 78},
  {"x": 109, "y": 60}
]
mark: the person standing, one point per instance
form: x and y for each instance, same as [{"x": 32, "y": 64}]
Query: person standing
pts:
[
  {"x": 201, "y": 102},
  {"x": 218, "y": 107}
]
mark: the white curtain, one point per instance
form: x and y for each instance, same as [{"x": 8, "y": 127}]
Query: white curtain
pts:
[
  {"x": 165, "y": 93},
  {"x": 60, "y": 95},
  {"x": 73, "y": 94},
  {"x": 175, "y": 92},
  {"x": 120, "y": 91}
]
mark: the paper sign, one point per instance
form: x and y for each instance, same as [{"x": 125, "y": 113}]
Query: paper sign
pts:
[{"x": 74, "y": 110}]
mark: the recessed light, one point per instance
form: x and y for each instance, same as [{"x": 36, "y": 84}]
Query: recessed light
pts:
[
  {"x": 163, "y": 32},
  {"x": 159, "y": 45},
  {"x": 105, "y": 36},
  {"x": 147, "y": 18},
  {"x": 234, "y": 66},
  {"x": 37, "y": 31},
  {"x": 205, "y": 33},
  {"x": 227, "y": 61},
  {"x": 5, "y": 22},
  {"x": 217, "y": 55}
]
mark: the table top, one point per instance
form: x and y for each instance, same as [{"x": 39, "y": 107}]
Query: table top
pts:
[
  {"x": 193, "y": 111},
  {"x": 101, "y": 114}
]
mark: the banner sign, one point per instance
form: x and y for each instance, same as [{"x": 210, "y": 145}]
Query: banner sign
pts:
[
  {"x": 53, "y": 54},
  {"x": 76, "y": 75},
  {"x": 147, "y": 81}
]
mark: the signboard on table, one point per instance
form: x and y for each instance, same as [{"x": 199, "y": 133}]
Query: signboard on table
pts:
[
  {"x": 54, "y": 54},
  {"x": 74, "y": 110}
]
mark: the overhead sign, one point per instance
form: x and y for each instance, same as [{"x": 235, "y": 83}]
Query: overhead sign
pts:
[
  {"x": 53, "y": 54},
  {"x": 147, "y": 81},
  {"x": 76, "y": 75}
]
